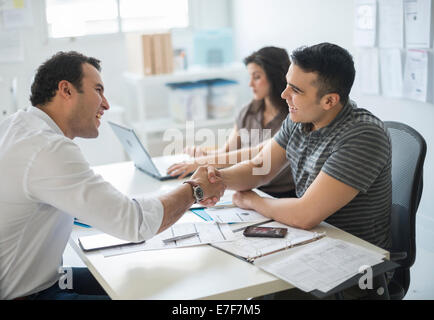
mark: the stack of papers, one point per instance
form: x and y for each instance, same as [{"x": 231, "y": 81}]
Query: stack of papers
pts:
[{"x": 322, "y": 265}]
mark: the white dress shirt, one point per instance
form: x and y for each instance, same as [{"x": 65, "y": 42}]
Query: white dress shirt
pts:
[{"x": 44, "y": 183}]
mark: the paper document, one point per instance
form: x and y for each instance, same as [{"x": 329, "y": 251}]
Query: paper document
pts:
[
  {"x": 252, "y": 247},
  {"x": 416, "y": 75},
  {"x": 322, "y": 265},
  {"x": 233, "y": 215},
  {"x": 417, "y": 23},
  {"x": 391, "y": 72},
  {"x": 208, "y": 232},
  {"x": 365, "y": 23},
  {"x": 11, "y": 46},
  {"x": 369, "y": 74},
  {"x": 391, "y": 23}
]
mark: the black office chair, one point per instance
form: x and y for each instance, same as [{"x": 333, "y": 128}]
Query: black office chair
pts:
[{"x": 408, "y": 156}]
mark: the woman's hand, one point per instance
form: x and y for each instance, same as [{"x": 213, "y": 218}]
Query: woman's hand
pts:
[
  {"x": 195, "y": 152},
  {"x": 182, "y": 169}
]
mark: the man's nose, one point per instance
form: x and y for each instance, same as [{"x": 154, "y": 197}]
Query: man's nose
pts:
[{"x": 105, "y": 104}]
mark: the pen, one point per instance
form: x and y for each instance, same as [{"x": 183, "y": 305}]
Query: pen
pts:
[
  {"x": 223, "y": 206},
  {"x": 184, "y": 236}
]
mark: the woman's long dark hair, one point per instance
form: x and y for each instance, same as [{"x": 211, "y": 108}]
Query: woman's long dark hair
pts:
[{"x": 275, "y": 62}]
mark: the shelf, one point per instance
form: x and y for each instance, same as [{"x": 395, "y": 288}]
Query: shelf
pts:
[
  {"x": 195, "y": 73},
  {"x": 159, "y": 125}
]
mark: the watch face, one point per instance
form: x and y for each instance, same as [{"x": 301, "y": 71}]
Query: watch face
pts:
[{"x": 198, "y": 193}]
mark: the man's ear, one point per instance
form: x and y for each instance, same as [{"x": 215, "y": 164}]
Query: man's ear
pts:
[
  {"x": 65, "y": 89},
  {"x": 329, "y": 100}
]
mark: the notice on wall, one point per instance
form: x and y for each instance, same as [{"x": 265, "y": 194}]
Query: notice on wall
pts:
[
  {"x": 11, "y": 46},
  {"x": 391, "y": 72},
  {"x": 416, "y": 75},
  {"x": 391, "y": 23},
  {"x": 368, "y": 74},
  {"x": 16, "y": 14},
  {"x": 417, "y": 23},
  {"x": 365, "y": 23}
]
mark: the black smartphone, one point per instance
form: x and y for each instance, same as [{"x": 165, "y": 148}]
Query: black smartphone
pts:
[{"x": 266, "y": 232}]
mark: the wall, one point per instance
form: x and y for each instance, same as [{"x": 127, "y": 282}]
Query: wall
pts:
[
  {"x": 111, "y": 50},
  {"x": 292, "y": 23}
]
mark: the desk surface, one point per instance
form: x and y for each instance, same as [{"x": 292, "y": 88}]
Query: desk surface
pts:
[{"x": 201, "y": 272}]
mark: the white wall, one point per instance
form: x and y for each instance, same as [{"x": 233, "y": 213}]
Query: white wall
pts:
[
  {"x": 292, "y": 23},
  {"x": 110, "y": 49}
]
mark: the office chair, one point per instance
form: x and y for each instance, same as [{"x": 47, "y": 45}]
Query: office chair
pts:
[{"x": 408, "y": 156}]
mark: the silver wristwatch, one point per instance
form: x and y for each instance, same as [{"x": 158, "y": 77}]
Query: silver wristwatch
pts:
[{"x": 197, "y": 191}]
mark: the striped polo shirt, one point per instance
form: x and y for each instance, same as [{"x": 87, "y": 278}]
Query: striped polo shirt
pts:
[{"x": 356, "y": 150}]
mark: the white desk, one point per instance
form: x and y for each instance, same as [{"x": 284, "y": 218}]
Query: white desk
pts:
[{"x": 201, "y": 272}]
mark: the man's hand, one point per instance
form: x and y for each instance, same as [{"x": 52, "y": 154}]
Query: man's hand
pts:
[{"x": 212, "y": 190}]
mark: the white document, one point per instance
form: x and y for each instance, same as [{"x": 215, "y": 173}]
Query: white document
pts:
[
  {"x": 209, "y": 232},
  {"x": 17, "y": 14},
  {"x": 253, "y": 247},
  {"x": 365, "y": 23},
  {"x": 11, "y": 46},
  {"x": 416, "y": 75},
  {"x": 368, "y": 73},
  {"x": 321, "y": 265},
  {"x": 417, "y": 23},
  {"x": 391, "y": 23},
  {"x": 391, "y": 72},
  {"x": 234, "y": 215}
]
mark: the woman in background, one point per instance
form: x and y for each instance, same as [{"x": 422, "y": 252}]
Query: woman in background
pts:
[{"x": 267, "y": 68}]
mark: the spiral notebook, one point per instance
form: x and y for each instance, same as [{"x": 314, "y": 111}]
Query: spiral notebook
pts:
[{"x": 251, "y": 248}]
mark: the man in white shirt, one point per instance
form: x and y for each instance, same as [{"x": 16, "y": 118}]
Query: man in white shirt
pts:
[{"x": 46, "y": 182}]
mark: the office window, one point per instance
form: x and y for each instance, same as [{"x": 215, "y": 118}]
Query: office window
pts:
[
  {"x": 73, "y": 18},
  {"x": 151, "y": 14}
]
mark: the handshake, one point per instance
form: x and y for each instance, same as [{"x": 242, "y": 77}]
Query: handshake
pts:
[{"x": 211, "y": 183}]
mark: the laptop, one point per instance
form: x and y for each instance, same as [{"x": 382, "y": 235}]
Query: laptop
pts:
[{"x": 155, "y": 167}]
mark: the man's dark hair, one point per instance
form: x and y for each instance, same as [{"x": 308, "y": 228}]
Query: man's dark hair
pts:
[
  {"x": 275, "y": 62},
  {"x": 333, "y": 65},
  {"x": 61, "y": 66}
]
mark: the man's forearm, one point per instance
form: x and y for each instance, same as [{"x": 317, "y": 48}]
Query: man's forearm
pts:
[
  {"x": 240, "y": 177},
  {"x": 227, "y": 159},
  {"x": 175, "y": 204}
]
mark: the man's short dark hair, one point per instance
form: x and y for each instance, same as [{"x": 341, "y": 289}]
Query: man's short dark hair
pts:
[
  {"x": 61, "y": 66},
  {"x": 333, "y": 65}
]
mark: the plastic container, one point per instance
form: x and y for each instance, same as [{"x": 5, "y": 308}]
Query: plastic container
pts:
[
  {"x": 222, "y": 98},
  {"x": 213, "y": 47},
  {"x": 188, "y": 101}
]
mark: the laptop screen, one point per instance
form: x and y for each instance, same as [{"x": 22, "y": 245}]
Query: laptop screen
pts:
[{"x": 134, "y": 148}]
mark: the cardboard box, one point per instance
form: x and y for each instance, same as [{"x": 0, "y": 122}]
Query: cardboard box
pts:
[
  {"x": 150, "y": 54},
  {"x": 140, "y": 54}
]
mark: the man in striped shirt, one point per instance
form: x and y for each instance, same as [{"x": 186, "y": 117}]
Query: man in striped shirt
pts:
[{"x": 340, "y": 155}]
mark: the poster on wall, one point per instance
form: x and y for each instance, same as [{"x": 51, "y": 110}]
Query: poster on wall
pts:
[
  {"x": 391, "y": 24},
  {"x": 417, "y": 23},
  {"x": 365, "y": 23},
  {"x": 416, "y": 75}
]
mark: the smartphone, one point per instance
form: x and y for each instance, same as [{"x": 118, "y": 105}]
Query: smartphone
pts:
[{"x": 266, "y": 232}]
